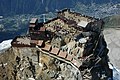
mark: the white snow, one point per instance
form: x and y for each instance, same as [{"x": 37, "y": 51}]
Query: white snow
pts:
[
  {"x": 40, "y": 64},
  {"x": 83, "y": 40},
  {"x": 116, "y": 72},
  {"x": 3, "y": 64},
  {"x": 5, "y": 44},
  {"x": 31, "y": 79}
]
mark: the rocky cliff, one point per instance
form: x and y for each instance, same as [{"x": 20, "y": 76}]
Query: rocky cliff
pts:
[{"x": 27, "y": 64}]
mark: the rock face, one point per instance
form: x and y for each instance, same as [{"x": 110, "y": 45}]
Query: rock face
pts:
[
  {"x": 112, "y": 37},
  {"x": 24, "y": 64}
]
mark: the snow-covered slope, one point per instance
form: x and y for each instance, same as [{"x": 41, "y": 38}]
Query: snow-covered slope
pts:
[
  {"x": 5, "y": 44},
  {"x": 116, "y": 72}
]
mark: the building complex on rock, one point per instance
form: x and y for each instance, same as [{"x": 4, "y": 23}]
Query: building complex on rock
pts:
[{"x": 72, "y": 37}]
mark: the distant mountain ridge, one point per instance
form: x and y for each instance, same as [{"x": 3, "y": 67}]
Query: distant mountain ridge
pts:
[
  {"x": 112, "y": 21},
  {"x": 17, "y": 24},
  {"x": 16, "y": 19},
  {"x": 15, "y": 7},
  {"x": 98, "y": 10}
]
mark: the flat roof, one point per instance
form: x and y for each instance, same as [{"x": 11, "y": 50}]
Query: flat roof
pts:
[
  {"x": 32, "y": 25},
  {"x": 33, "y": 20},
  {"x": 40, "y": 42},
  {"x": 55, "y": 51},
  {"x": 42, "y": 29},
  {"x": 34, "y": 41},
  {"x": 23, "y": 40},
  {"x": 76, "y": 63},
  {"x": 69, "y": 57},
  {"x": 62, "y": 54},
  {"x": 83, "y": 23},
  {"x": 47, "y": 47}
]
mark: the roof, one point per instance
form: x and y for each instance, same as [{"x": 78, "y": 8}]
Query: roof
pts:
[
  {"x": 76, "y": 63},
  {"x": 40, "y": 42},
  {"x": 47, "y": 47},
  {"x": 83, "y": 24},
  {"x": 33, "y": 41},
  {"x": 51, "y": 20},
  {"x": 71, "y": 44},
  {"x": 33, "y": 20},
  {"x": 63, "y": 10},
  {"x": 55, "y": 51},
  {"x": 42, "y": 28},
  {"x": 62, "y": 54},
  {"x": 69, "y": 57},
  {"x": 32, "y": 25},
  {"x": 23, "y": 40},
  {"x": 50, "y": 28},
  {"x": 83, "y": 40}
]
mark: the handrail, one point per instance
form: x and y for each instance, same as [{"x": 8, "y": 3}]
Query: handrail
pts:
[{"x": 57, "y": 57}]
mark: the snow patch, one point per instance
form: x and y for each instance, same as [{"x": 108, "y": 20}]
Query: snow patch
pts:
[
  {"x": 5, "y": 44},
  {"x": 40, "y": 64},
  {"x": 3, "y": 64},
  {"x": 31, "y": 79},
  {"x": 116, "y": 72}
]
